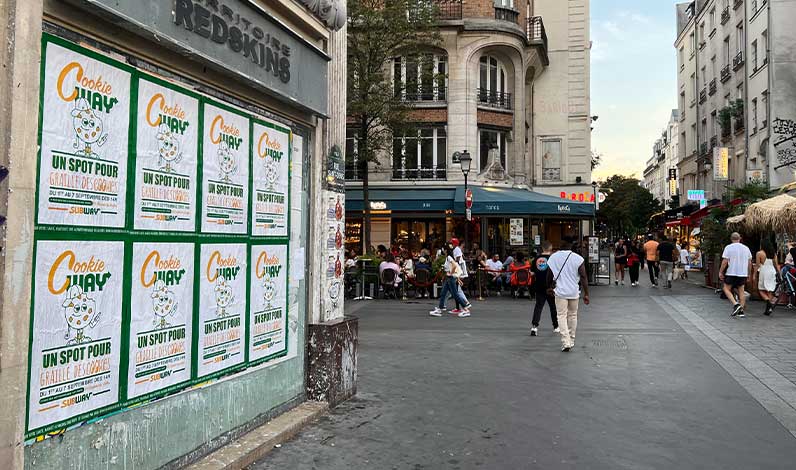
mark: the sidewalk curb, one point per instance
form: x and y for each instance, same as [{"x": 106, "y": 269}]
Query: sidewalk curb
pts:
[{"x": 257, "y": 443}]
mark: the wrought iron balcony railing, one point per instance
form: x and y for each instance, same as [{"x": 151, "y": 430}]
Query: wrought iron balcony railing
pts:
[
  {"x": 737, "y": 61},
  {"x": 703, "y": 148},
  {"x": 449, "y": 9},
  {"x": 430, "y": 94},
  {"x": 494, "y": 99},
  {"x": 725, "y": 73},
  {"x": 725, "y": 15},
  {"x": 507, "y": 14},
  {"x": 712, "y": 87},
  {"x": 714, "y": 141},
  {"x": 703, "y": 95},
  {"x": 433, "y": 173},
  {"x": 737, "y": 4},
  {"x": 535, "y": 32}
]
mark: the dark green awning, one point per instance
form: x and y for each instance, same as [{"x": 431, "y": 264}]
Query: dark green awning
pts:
[
  {"x": 486, "y": 200},
  {"x": 407, "y": 200}
]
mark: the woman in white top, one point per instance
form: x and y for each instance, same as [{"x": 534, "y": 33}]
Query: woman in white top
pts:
[{"x": 767, "y": 269}]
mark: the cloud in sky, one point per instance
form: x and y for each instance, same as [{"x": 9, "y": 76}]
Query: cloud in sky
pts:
[{"x": 634, "y": 80}]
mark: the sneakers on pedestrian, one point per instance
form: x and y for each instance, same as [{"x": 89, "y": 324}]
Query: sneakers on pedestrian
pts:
[
  {"x": 741, "y": 314},
  {"x": 464, "y": 314},
  {"x": 456, "y": 311},
  {"x": 437, "y": 312},
  {"x": 556, "y": 330},
  {"x": 623, "y": 283},
  {"x": 616, "y": 282},
  {"x": 565, "y": 349},
  {"x": 534, "y": 331},
  {"x": 736, "y": 310},
  {"x": 467, "y": 307},
  {"x": 669, "y": 284}
]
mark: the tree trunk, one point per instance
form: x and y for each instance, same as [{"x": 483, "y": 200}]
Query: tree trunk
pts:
[{"x": 362, "y": 158}]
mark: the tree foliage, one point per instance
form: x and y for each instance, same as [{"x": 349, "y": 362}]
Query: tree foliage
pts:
[
  {"x": 627, "y": 207},
  {"x": 379, "y": 31}
]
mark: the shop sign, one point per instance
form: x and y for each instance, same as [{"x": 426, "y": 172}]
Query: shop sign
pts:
[
  {"x": 230, "y": 36},
  {"x": 516, "y": 236},
  {"x": 696, "y": 194},
  {"x": 703, "y": 203},
  {"x": 594, "y": 250},
  {"x": 755, "y": 176},
  {"x": 579, "y": 197},
  {"x": 378, "y": 205},
  {"x": 721, "y": 163},
  {"x": 335, "y": 170},
  {"x": 563, "y": 208}
]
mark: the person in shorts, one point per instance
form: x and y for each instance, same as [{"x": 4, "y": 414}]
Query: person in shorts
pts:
[{"x": 736, "y": 264}]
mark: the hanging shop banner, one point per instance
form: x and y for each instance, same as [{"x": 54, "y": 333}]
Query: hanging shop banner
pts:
[
  {"x": 76, "y": 332},
  {"x": 721, "y": 163},
  {"x": 222, "y": 305},
  {"x": 161, "y": 317},
  {"x": 167, "y": 137},
  {"x": 268, "y": 302},
  {"x": 270, "y": 177},
  {"x": 85, "y": 124},
  {"x": 515, "y": 232},
  {"x": 225, "y": 171},
  {"x": 695, "y": 194}
]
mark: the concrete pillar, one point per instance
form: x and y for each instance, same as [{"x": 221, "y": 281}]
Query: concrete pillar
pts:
[{"x": 19, "y": 98}]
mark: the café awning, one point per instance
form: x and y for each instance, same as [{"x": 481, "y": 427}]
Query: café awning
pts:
[
  {"x": 486, "y": 201},
  {"x": 510, "y": 201}
]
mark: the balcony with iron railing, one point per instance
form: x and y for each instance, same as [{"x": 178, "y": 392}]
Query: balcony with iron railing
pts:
[
  {"x": 436, "y": 94},
  {"x": 494, "y": 99},
  {"x": 536, "y": 35},
  {"x": 737, "y": 61},
  {"x": 430, "y": 173},
  {"x": 714, "y": 141},
  {"x": 739, "y": 124},
  {"x": 737, "y": 4},
  {"x": 703, "y": 148},
  {"x": 725, "y": 15},
  {"x": 725, "y": 73},
  {"x": 449, "y": 9},
  {"x": 507, "y": 14},
  {"x": 712, "y": 87},
  {"x": 703, "y": 95},
  {"x": 352, "y": 172}
]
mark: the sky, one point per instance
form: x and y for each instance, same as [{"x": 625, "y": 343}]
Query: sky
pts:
[{"x": 633, "y": 82}]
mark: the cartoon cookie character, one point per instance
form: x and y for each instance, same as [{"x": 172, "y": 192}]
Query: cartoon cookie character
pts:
[
  {"x": 224, "y": 297},
  {"x": 269, "y": 291},
  {"x": 226, "y": 162},
  {"x": 88, "y": 129},
  {"x": 163, "y": 304},
  {"x": 80, "y": 312},
  {"x": 271, "y": 172},
  {"x": 168, "y": 148}
]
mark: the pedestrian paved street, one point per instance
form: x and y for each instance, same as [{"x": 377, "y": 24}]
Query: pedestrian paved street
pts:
[{"x": 657, "y": 380}]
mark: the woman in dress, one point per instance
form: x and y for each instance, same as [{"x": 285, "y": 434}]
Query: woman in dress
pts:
[
  {"x": 767, "y": 269},
  {"x": 620, "y": 259}
]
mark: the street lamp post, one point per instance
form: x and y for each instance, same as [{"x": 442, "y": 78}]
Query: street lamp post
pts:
[{"x": 466, "y": 161}]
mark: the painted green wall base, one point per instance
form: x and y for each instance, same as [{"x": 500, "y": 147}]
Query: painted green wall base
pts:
[{"x": 163, "y": 431}]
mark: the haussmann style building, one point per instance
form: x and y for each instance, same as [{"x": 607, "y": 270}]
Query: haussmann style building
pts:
[{"x": 516, "y": 97}]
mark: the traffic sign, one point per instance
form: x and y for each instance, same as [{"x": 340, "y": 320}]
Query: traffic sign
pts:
[
  {"x": 469, "y": 214},
  {"x": 468, "y": 199}
]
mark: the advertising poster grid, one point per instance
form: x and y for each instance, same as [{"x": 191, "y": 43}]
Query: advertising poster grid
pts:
[{"x": 129, "y": 236}]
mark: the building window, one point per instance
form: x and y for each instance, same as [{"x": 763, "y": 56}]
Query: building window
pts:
[
  {"x": 713, "y": 71},
  {"x": 681, "y": 56},
  {"x": 739, "y": 91},
  {"x": 551, "y": 159},
  {"x": 712, "y": 19},
  {"x": 754, "y": 56},
  {"x": 754, "y": 115},
  {"x": 487, "y": 140},
  {"x": 420, "y": 154},
  {"x": 682, "y": 104},
  {"x": 691, "y": 44},
  {"x": 764, "y": 39},
  {"x": 713, "y": 124},
  {"x": 504, "y": 3},
  {"x": 493, "y": 83},
  {"x": 739, "y": 37},
  {"x": 421, "y": 78}
]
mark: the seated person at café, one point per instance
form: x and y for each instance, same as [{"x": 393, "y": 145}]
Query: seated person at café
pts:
[
  {"x": 389, "y": 263},
  {"x": 520, "y": 264},
  {"x": 422, "y": 264},
  {"x": 495, "y": 272}
]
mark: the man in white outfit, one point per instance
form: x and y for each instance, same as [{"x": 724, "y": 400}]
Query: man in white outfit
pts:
[{"x": 567, "y": 272}]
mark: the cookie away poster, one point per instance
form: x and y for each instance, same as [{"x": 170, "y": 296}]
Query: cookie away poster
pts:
[
  {"x": 222, "y": 306},
  {"x": 77, "y": 323},
  {"x": 85, "y": 127},
  {"x": 270, "y": 165},
  {"x": 268, "y": 302},
  {"x": 167, "y": 136},
  {"x": 161, "y": 316}
]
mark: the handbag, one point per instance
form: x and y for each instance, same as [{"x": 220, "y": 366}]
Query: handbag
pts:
[{"x": 551, "y": 288}]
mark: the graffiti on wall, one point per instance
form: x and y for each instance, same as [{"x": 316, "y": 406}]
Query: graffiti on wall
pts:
[{"x": 785, "y": 142}]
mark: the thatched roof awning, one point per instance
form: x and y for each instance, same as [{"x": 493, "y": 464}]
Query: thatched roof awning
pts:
[{"x": 777, "y": 213}]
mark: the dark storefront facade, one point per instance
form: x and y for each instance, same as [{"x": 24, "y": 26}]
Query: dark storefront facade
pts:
[{"x": 504, "y": 220}]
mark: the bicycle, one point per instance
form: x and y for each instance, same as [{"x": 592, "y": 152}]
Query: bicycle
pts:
[{"x": 786, "y": 286}]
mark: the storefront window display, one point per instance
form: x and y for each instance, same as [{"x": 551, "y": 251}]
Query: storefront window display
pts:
[{"x": 415, "y": 234}]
